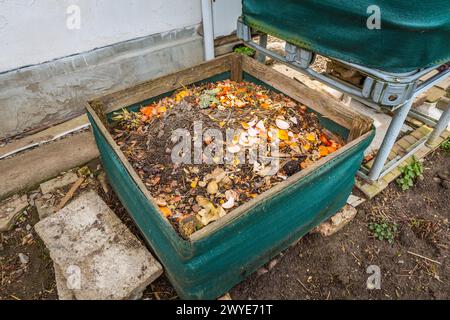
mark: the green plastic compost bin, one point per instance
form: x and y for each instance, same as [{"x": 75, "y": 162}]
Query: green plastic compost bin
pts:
[{"x": 225, "y": 252}]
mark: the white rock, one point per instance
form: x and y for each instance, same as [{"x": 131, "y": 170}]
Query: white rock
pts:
[
  {"x": 24, "y": 259},
  {"x": 337, "y": 222}
]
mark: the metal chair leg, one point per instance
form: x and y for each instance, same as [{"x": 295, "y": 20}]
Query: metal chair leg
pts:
[
  {"x": 263, "y": 43},
  {"x": 440, "y": 127},
  {"x": 389, "y": 140}
]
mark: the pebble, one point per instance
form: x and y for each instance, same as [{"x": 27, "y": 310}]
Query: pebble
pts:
[
  {"x": 1, "y": 247},
  {"x": 261, "y": 271},
  {"x": 272, "y": 264},
  {"x": 24, "y": 259},
  {"x": 28, "y": 227}
]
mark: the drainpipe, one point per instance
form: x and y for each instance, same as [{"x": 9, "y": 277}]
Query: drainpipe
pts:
[{"x": 208, "y": 29}]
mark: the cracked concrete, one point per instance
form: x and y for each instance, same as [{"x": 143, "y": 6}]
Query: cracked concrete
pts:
[
  {"x": 27, "y": 170},
  {"x": 96, "y": 257}
]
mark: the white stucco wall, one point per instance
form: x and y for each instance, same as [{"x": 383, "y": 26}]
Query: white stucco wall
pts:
[
  {"x": 226, "y": 13},
  {"x": 35, "y": 31}
]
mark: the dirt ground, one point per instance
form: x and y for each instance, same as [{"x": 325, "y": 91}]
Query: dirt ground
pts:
[
  {"x": 315, "y": 268},
  {"x": 335, "y": 267}
]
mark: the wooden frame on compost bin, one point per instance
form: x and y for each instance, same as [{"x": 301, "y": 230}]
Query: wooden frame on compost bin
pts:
[{"x": 359, "y": 126}]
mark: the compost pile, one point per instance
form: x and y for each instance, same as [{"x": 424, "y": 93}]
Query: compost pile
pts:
[{"x": 209, "y": 184}]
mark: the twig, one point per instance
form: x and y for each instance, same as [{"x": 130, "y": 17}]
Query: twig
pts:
[
  {"x": 354, "y": 256},
  {"x": 69, "y": 194},
  {"x": 307, "y": 290},
  {"x": 420, "y": 256}
]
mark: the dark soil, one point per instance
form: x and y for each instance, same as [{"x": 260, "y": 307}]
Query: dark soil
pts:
[
  {"x": 314, "y": 268},
  {"x": 335, "y": 267},
  {"x": 33, "y": 281}
]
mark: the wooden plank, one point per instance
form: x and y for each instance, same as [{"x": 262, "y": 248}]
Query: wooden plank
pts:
[
  {"x": 398, "y": 150},
  {"x": 360, "y": 126},
  {"x": 423, "y": 152},
  {"x": 155, "y": 87},
  {"x": 425, "y": 129},
  {"x": 411, "y": 139},
  {"x": 404, "y": 144},
  {"x": 70, "y": 194},
  {"x": 325, "y": 105},
  {"x": 417, "y": 134},
  {"x": 236, "y": 68},
  {"x": 371, "y": 190}
]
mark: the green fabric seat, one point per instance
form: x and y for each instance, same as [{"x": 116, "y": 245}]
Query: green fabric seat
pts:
[{"x": 413, "y": 35}]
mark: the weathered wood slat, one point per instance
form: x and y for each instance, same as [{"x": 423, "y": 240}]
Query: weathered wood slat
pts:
[
  {"x": 236, "y": 68},
  {"x": 164, "y": 84}
]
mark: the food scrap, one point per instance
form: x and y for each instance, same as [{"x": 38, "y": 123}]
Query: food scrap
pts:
[{"x": 205, "y": 186}]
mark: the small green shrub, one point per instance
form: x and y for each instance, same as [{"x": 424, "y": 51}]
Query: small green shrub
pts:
[
  {"x": 384, "y": 230},
  {"x": 446, "y": 145},
  {"x": 245, "y": 51},
  {"x": 410, "y": 174}
]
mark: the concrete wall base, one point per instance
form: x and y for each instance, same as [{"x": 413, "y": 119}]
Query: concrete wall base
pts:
[{"x": 49, "y": 93}]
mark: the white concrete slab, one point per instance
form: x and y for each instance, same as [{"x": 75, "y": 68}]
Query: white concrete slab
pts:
[{"x": 96, "y": 253}]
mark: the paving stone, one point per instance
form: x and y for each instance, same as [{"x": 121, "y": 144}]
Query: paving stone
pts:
[
  {"x": 64, "y": 293},
  {"x": 87, "y": 236},
  {"x": 355, "y": 201},
  {"x": 58, "y": 183},
  {"x": 434, "y": 94},
  {"x": 417, "y": 134},
  {"x": 44, "y": 208},
  {"x": 444, "y": 83},
  {"x": 443, "y": 103},
  {"x": 371, "y": 190},
  {"x": 404, "y": 143},
  {"x": 337, "y": 222},
  {"x": 425, "y": 130},
  {"x": 10, "y": 209},
  {"x": 419, "y": 100}
]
